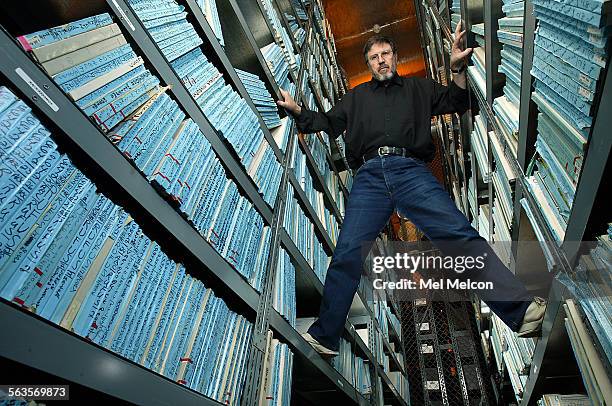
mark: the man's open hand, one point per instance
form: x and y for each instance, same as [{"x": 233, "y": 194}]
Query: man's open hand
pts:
[
  {"x": 288, "y": 103},
  {"x": 458, "y": 53}
]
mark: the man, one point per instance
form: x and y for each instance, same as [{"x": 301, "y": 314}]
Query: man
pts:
[{"x": 388, "y": 138}]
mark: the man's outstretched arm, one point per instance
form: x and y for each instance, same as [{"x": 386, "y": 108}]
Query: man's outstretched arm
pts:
[{"x": 333, "y": 122}]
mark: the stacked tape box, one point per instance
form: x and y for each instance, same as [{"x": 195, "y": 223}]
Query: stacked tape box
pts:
[
  {"x": 273, "y": 54},
  {"x": 477, "y": 72},
  {"x": 209, "y": 9},
  {"x": 281, "y": 36},
  {"x": 308, "y": 95},
  {"x": 590, "y": 286},
  {"x": 299, "y": 10},
  {"x": 510, "y": 34},
  {"x": 227, "y": 112},
  {"x": 298, "y": 32},
  {"x": 401, "y": 384},
  {"x": 370, "y": 335},
  {"x": 278, "y": 367},
  {"x": 73, "y": 257},
  {"x": 480, "y": 147},
  {"x": 284, "y": 288},
  {"x": 484, "y": 213},
  {"x": 282, "y": 133},
  {"x": 564, "y": 400},
  {"x": 301, "y": 230},
  {"x": 347, "y": 363},
  {"x": 455, "y": 14},
  {"x": 503, "y": 179},
  {"x": 264, "y": 103},
  {"x": 126, "y": 102},
  {"x": 315, "y": 197},
  {"x": 569, "y": 56},
  {"x": 594, "y": 367},
  {"x": 319, "y": 148},
  {"x": 512, "y": 353},
  {"x": 353, "y": 368}
]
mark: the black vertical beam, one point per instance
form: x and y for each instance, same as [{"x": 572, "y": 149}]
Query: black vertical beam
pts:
[
  {"x": 494, "y": 79},
  {"x": 592, "y": 174},
  {"x": 528, "y": 116}
]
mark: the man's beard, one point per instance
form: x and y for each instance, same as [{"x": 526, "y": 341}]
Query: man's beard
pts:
[{"x": 384, "y": 76}]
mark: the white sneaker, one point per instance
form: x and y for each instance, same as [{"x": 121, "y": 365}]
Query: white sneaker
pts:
[
  {"x": 320, "y": 348},
  {"x": 532, "y": 321}
]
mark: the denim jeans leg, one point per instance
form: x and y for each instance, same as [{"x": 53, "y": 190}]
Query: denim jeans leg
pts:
[
  {"x": 418, "y": 195},
  {"x": 368, "y": 209}
]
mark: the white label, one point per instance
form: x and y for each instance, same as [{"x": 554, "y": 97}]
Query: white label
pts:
[
  {"x": 433, "y": 385},
  {"x": 594, "y": 38},
  {"x": 37, "y": 89},
  {"x": 585, "y": 79},
  {"x": 124, "y": 16},
  {"x": 426, "y": 349},
  {"x": 420, "y": 302},
  {"x": 424, "y": 326},
  {"x": 583, "y": 92}
]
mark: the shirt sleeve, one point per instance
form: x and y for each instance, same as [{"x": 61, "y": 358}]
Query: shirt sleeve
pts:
[
  {"x": 448, "y": 99},
  {"x": 333, "y": 122}
]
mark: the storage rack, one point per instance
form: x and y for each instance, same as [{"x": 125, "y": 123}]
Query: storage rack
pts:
[
  {"x": 553, "y": 367},
  {"x": 439, "y": 337},
  {"x": 69, "y": 356}
]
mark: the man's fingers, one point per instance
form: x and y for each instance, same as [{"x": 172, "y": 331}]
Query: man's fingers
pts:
[
  {"x": 458, "y": 28},
  {"x": 465, "y": 53},
  {"x": 458, "y": 38}
]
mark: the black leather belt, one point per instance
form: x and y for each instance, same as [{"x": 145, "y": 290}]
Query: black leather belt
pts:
[{"x": 380, "y": 151}]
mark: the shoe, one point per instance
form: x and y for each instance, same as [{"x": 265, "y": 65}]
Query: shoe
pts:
[
  {"x": 532, "y": 321},
  {"x": 320, "y": 348}
]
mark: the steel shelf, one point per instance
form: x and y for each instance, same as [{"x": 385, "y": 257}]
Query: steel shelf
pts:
[
  {"x": 114, "y": 174},
  {"x": 37, "y": 343}
]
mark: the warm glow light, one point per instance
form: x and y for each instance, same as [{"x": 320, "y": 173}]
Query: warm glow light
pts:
[{"x": 404, "y": 68}]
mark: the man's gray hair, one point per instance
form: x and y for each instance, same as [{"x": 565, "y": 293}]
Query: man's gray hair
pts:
[{"x": 378, "y": 39}]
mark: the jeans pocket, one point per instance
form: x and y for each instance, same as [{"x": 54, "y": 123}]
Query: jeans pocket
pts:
[{"x": 365, "y": 164}]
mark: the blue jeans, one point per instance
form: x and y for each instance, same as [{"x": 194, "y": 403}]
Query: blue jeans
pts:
[{"x": 386, "y": 183}]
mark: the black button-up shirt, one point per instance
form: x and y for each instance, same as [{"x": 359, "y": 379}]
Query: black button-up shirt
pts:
[{"x": 395, "y": 113}]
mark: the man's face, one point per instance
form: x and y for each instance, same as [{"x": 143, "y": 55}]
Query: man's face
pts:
[{"x": 382, "y": 61}]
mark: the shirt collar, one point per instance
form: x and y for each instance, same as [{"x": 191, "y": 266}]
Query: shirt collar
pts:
[{"x": 395, "y": 80}]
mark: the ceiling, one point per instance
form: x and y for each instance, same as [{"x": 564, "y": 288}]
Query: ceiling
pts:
[{"x": 353, "y": 22}]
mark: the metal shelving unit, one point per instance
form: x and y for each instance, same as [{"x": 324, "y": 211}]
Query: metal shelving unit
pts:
[
  {"x": 127, "y": 186},
  {"x": 69, "y": 356},
  {"x": 553, "y": 365}
]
